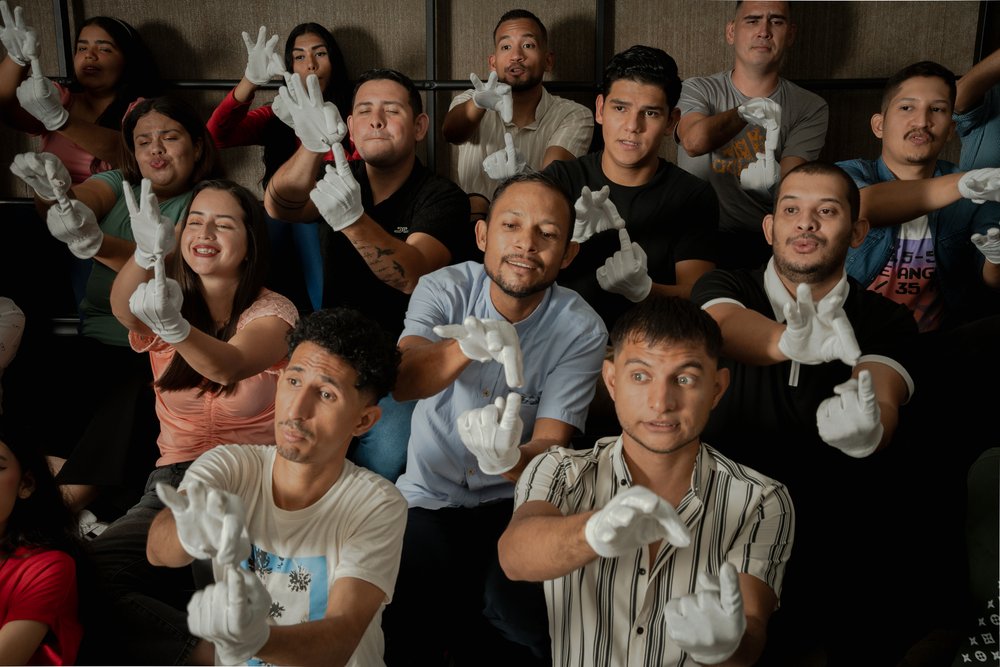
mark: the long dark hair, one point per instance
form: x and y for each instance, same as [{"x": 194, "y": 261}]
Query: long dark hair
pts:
[
  {"x": 179, "y": 374},
  {"x": 42, "y": 519},
  {"x": 206, "y": 166}
]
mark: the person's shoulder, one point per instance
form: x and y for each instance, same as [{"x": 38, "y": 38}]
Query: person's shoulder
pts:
[
  {"x": 679, "y": 178},
  {"x": 376, "y": 490},
  {"x": 269, "y": 303},
  {"x": 863, "y": 171},
  {"x": 573, "y": 311},
  {"x": 565, "y": 105},
  {"x": 707, "y": 80},
  {"x": 944, "y": 167},
  {"x": 735, "y": 472},
  {"x": 874, "y": 307},
  {"x": 804, "y": 97}
]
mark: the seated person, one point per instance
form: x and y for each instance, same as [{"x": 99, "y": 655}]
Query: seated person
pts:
[{"x": 591, "y": 524}]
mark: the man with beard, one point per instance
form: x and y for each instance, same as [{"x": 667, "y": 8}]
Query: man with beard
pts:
[
  {"x": 816, "y": 387},
  {"x": 478, "y": 423},
  {"x": 389, "y": 219},
  {"x": 922, "y": 249},
  {"x": 742, "y": 129},
  {"x": 541, "y": 127}
]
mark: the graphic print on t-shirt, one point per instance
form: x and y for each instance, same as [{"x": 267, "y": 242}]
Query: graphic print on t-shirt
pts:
[
  {"x": 740, "y": 152},
  {"x": 908, "y": 276}
]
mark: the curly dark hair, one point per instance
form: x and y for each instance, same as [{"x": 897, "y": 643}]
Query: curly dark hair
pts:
[{"x": 356, "y": 339}]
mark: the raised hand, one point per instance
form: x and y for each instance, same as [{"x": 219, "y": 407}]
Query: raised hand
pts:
[
  {"x": 73, "y": 223},
  {"x": 710, "y": 623},
  {"x": 980, "y": 185},
  {"x": 633, "y": 519},
  {"x": 157, "y": 303},
  {"x": 506, "y": 162},
  {"x": 989, "y": 244},
  {"x": 595, "y": 213},
  {"x": 493, "y": 434},
  {"x": 153, "y": 232},
  {"x": 43, "y": 173},
  {"x": 814, "y": 337},
  {"x": 850, "y": 420},
  {"x": 317, "y": 123},
  {"x": 19, "y": 39},
  {"x": 485, "y": 340},
  {"x": 232, "y": 614},
  {"x": 262, "y": 61},
  {"x": 337, "y": 195},
  {"x": 493, "y": 95},
  {"x": 761, "y": 111},
  {"x": 761, "y": 175},
  {"x": 211, "y": 523},
  {"x": 625, "y": 272},
  {"x": 39, "y": 97}
]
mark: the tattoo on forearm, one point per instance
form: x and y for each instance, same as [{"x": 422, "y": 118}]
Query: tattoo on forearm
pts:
[
  {"x": 389, "y": 271},
  {"x": 282, "y": 202}
]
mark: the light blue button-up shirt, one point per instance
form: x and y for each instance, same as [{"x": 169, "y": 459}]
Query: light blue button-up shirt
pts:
[{"x": 563, "y": 344}]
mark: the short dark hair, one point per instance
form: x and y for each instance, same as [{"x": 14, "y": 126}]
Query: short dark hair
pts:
[
  {"x": 355, "y": 338},
  {"x": 927, "y": 68},
  {"x": 645, "y": 64},
  {"x": 674, "y": 319},
  {"x": 206, "y": 166},
  {"x": 787, "y": 2},
  {"x": 515, "y": 14},
  {"x": 532, "y": 176},
  {"x": 380, "y": 73},
  {"x": 827, "y": 169}
]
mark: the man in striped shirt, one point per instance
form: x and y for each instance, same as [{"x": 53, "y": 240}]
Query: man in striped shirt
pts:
[{"x": 629, "y": 579}]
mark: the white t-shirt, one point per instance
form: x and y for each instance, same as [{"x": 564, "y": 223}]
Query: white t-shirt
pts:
[{"x": 354, "y": 530}]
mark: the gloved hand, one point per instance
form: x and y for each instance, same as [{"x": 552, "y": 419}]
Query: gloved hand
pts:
[
  {"x": 317, "y": 124},
  {"x": 19, "y": 39},
  {"x": 337, "y": 195},
  {"x": 73, "y": 223},
  {"x": 595, "y": 213},
  {"x": 153, "y": 232},
  {"x": 43, "y": 173},
  {"x": 506, "y": 162},
  {"x": 278, "y": 105},
  {"x": 761, "y": 111},
  {"x": 157, "y": 303},
  {"x": 633, "y": 519},
  {"x": 493, "y": 434},
  {"x": 989, "y": 244},
  {"x": 709, "y": 624},
  {"x": 850, "y": 420},
  {"x": 211, "y": 523},
  {"x": 980, "y": 185},
  {"x": 493, "y": 96},
  {"x": 40, "y": 98},
  {"x": 761, "y": 175},
  {"x": 483, "y": 340},
  {"x": 814, "y": 337},
  {"x": 625, "y": 272},
  {"x": 232, "y": 614},
  {"x": 262, "y": 61}
]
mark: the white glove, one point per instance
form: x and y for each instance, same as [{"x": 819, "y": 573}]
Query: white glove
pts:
[
  {"x": 317, "y": 123},
  {"x": 980, "y": 185},
  {"x": 506, "y": 162},
  {"x": 633, "y": 519},
  {"x": 595, "y": 213},
  {"x": 812, "y": 337},
  {"x": 232, "y": 614},
  {"x": 493, "y": 434},
  {"x": 337, "y": 195},
  {"x": 485, "y": 340},
  {"x": 73, "y": 223},
  {"x": 157, "y": 303},
  {"x": 850, "y": 420},
  {"x": 262, "y": 61},
  {"x": 625, "y": 271},
  {"x": 761, "y": 175},
  {"x": 43, "y": 173},
  {"x": 211, "y": 523},
  {"x": 989, "y": 244},
  {"x": 153, "y": 232},
  {"x": 278, "y": 105},
  {"x": 709, "y": 624},
  {"x": 39, "y": 97},
  {"x": 493, "y": 96},
  {"x": 19, "y": 39},
  {"x": 761, "y": 111}
]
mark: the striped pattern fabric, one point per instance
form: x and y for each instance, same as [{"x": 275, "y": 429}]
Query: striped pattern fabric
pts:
[{"x": 610, "y": 612}]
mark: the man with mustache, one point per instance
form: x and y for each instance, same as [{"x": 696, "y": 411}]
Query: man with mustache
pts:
[
  {"x": 542, "y": 127},
  {"x": 390, "y": 219},
  {"x": 304, "y": 544},
  {"x": 742, "y": 129},
  {"x": 816, "y": 387}
]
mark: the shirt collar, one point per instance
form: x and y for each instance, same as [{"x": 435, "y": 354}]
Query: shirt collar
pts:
[
  {"x": 540, "y": 109},
  {"x": 699, "y": 476},
  {"x": 779, "y": 296}
]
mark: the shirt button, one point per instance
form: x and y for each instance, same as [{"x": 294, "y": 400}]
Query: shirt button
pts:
[
  {"x": 638, "y": 631},
  {"x": 472, "y": 471},
  {"x": 623, "y": 483},
  {"x": 486, "y": 393},
  {"x": 642, "y": 571}
]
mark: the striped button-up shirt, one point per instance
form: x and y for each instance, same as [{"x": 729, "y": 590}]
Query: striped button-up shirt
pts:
[{"x": 610, "y": 612}]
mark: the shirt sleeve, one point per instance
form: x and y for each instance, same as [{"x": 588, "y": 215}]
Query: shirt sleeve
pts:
[
  {"x": 693, "y": 98},
  {"x": 431, "y": 304},
  {"x": 542, "y": 479},
  {"x": 714, "y": 286},
  {"x": 808, "y": 134},
  {"x": 764, "y": 545},
  {"x": 700, "y": 224},
  {"x": 569, "y": 388},
  {"x": 11, "y": 330},
  {"x": 442, "y": 211},
  {"x": 575, "y": 131},
  {"x": 46, "y": 585},
  {"x": 234, "y": 124}
]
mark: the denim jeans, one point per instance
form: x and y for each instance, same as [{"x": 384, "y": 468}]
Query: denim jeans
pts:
[{"x": 383, "y": 449}]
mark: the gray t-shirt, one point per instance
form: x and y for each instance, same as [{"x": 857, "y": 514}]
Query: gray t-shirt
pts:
[{"x": 804, "y": 117}]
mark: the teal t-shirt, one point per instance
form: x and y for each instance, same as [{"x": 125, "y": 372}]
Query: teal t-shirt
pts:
[{"x": 98, "y": 321}]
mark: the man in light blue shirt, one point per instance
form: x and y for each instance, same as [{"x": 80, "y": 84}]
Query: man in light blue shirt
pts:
[{"x": 466, "y": 447}]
